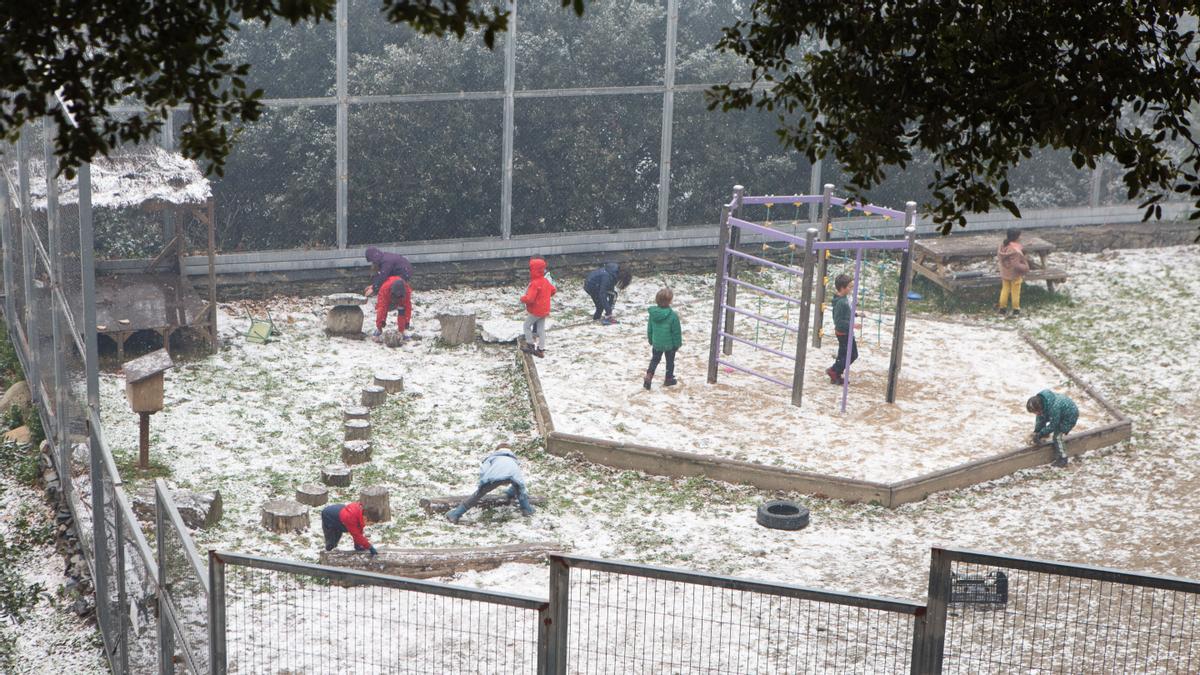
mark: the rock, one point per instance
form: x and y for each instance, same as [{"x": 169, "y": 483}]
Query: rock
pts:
[
  {"x": 392, "y": 338},
  {"x": 83, "y": 606},
  {"x": 18, "y": 395},
  {"x": 500, "y": 330},
  {"x": 21, "y": 436},
  {"x": 198, "y": 510}
]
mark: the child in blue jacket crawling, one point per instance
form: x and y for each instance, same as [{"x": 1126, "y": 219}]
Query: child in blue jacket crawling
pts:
[{"x": 497, "y": 469}]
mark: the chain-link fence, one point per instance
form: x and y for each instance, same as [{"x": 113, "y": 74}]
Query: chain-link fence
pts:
[
  {"x": 1005, "y": 615},
  {"x": 614, "y": 617},
  {"x": 279, "y": 616}
]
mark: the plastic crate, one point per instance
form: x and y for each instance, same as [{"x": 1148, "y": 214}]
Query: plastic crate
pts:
[{"x": 979, "y": 589}]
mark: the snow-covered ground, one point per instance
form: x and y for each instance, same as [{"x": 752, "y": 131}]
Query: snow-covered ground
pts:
[
  {"x": 49, "y": 638},
  {"x": 256, "y": 420},
  {"x": 961, "y": 398}
]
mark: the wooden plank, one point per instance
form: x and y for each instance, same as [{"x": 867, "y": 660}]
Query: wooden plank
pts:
[{"x": 960, "y": 249}]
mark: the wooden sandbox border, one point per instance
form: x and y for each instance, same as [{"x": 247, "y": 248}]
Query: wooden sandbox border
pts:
[{"x": 673, "y": 463}]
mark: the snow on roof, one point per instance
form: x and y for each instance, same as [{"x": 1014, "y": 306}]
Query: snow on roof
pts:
[{"x": 130, "y": 177}]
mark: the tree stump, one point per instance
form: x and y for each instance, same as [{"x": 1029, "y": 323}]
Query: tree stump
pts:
[
  {"x": 284, "y": 515},
  {"x": 312, "y": 495},
  {"x": 392, "y": 383},
  {"x": 373, "y": 395},
  {"x": 355, "y": 412},
  {"x": 458, "y": 327},
  {"x": 376, "y": 503},
  {"x": 336, "y": 475},
  {"x": 356, "y": 452},
  {"x": 344, "y": 320},
  {"x": 357, "y": 430}
]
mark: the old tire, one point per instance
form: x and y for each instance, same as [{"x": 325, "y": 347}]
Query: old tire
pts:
[{"x": 780, "y": 514}]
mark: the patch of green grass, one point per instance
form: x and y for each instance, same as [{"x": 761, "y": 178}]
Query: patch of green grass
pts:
[
  {"x": 980, "y": 301},
  {"x": 127, "y": 466}
]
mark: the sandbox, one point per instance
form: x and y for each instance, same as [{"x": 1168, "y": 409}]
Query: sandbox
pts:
[{"x": 959, "y": 418}]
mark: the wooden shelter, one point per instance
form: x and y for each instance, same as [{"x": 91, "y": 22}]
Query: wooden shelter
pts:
[{"x": 157, "y": 297}]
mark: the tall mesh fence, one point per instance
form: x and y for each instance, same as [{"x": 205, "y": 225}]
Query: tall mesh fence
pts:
[
  {"x": 183, "y": 580},
  {"x": 620, "y": 620},
  {"x": 1064, "y": 619},
  {"x": 307, "y": 619}
]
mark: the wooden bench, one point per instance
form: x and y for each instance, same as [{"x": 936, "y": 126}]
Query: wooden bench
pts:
[{"x": 940, "y": 260}]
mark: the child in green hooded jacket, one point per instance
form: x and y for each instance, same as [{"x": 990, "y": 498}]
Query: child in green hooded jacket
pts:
[{"x": 664, "y": 335}]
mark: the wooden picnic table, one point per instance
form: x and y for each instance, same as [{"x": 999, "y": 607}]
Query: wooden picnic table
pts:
[{"x": 941, "y": 260}]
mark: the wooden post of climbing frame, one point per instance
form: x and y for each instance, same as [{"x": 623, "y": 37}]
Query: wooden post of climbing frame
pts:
[
  {"x": 823, "y": 265},
  {"x": 810, "y": 238},
  {"x": 910, "y": 238},
  {"x": 714, "y": 344}
]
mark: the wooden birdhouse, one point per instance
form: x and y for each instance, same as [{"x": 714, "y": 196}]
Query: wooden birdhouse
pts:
[{"x": 144, "y": 381}]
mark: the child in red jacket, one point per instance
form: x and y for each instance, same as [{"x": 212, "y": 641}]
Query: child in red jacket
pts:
[
  {"x": 537, "y": 304},
  {"x": 338, "y": 519}
]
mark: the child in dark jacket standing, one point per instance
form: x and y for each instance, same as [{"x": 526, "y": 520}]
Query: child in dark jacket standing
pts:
[
  {"x": 1056, "y": 417},
  {"x": 841, "y": 327},
  {"x": 338, "y": 519},
  {"x": 537, "y": 307},
  {"x": 665, "y": 336}
]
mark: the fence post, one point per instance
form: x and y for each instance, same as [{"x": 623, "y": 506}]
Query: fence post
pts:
[
  {"x": 910, "y": 238},
  {"x": 718, "y": 295},
  {"x": 929, "y": 646},
  {"x": 560, "y": 598},
  {"x": 735, "y": 240},
  {"x": 216, "y": 615},
  {"x": 29, "y": 261},
  {"x": 810, "y": 238},
  {"x": 342, "y": 124},
  {"x": 545, "y": 634},
  {"x": 823, "y": 267},
  {"x": 166, "y": 638}
]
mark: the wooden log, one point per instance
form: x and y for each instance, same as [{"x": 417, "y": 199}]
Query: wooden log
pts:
[
  {"x": 285, "y": 515},
  {"x": 357, "y": 430},
  {"x": 373, "y": 395},
  {"x": 312, "y": 494},
  {"x": 376, "y": 503},
  {"x": 458, "y": 328},
  {"x": 392, "y": 383},
  {"x": 355, "y": 412},
  {"x": 356, "y": 452},
  {"x": 433, "y": 505},
  {"x": 425, "y": 563},
  {"x": 336, "y": 475}
]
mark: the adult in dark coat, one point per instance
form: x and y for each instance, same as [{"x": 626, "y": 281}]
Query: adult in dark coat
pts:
[
  {"x": 386, "y": 266},
  {"x": 602, "y": 285}
]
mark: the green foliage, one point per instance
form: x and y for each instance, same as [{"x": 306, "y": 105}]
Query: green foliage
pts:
[
  {"x": 20, "y": 462},
  {"x": 10, "y": 366},
  {"x": 17, "y": 596},
  {"x": 895, "y": 81},
  {"x": 36, "y": 433}
]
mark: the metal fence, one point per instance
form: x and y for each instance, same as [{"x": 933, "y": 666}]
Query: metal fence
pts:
[
  {"x": 182, "y": 591},
  {"x": 280, "y": 616},
  {"x": 612, "y": 617},
  {"x": 1000, "y": 614}
]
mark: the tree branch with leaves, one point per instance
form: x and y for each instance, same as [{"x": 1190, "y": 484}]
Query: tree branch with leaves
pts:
[{"x": 979, "y": 86}]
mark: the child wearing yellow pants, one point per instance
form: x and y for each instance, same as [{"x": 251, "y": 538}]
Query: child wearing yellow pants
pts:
[{"x": 1013, "y": 268}]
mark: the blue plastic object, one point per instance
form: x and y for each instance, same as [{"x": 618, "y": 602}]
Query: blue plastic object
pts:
[{"x": 913, "y": 295}]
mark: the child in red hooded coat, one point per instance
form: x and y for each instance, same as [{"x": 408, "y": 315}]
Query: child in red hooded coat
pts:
[{"x": 537, "y": 305}]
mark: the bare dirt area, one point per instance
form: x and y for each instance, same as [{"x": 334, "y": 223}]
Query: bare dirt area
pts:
[{"x": 961, "y": 398}]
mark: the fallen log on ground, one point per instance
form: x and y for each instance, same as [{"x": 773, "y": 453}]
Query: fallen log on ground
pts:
[
  {"x": 426, "y": 563},
  {"x": 491, "y": 500}
]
